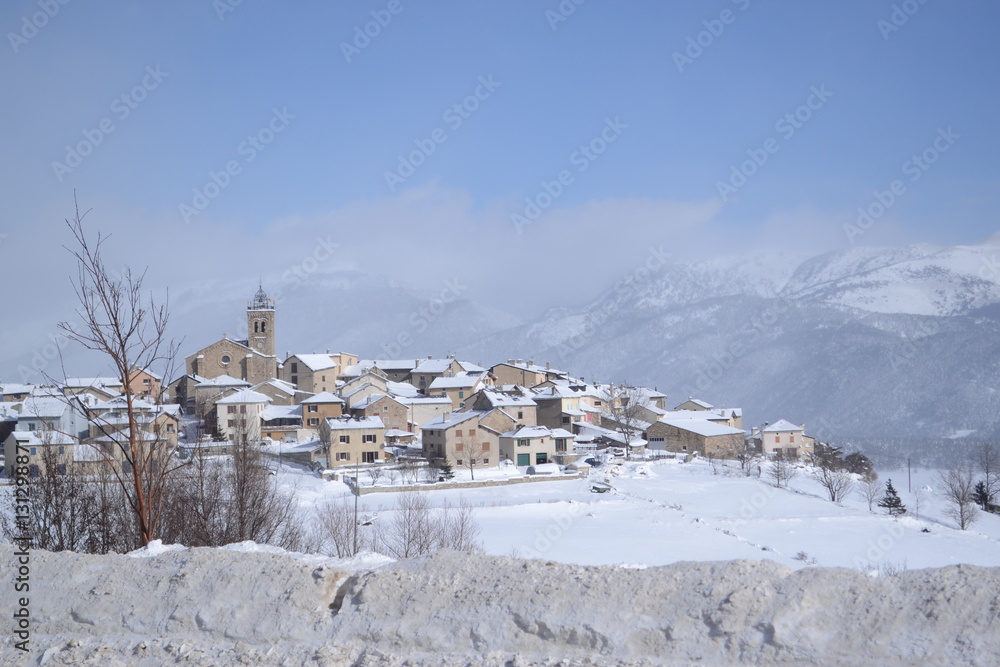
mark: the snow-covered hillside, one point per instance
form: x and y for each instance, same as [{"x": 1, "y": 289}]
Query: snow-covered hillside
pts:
[{"x": 678, "y": 566}]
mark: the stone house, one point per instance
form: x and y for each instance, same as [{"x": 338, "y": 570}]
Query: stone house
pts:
[{"x": 351, "y": 441}]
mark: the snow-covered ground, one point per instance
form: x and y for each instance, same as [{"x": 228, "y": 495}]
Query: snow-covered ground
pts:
[{"x": 665, "y": 511}]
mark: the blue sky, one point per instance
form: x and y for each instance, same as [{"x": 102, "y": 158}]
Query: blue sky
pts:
[{"x": 890, "y": 89}]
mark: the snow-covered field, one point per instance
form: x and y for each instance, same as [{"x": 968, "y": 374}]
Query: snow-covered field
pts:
[
  {"x": 665, "y": 511},
  {"x": 604, "y": 585}
]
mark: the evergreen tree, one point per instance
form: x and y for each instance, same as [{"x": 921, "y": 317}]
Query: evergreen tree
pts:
[
  {"x": 446, "y": 470},
  {"x": 891, "y": 500},
  {"x": 981, "y": 496}
]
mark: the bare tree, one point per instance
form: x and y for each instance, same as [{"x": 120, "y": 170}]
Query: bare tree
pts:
[
  {"x": 624, "y": 405},
  {"x": 337, "y": 519},
  {"x": 472, "y": 452},
  {"x": 130, "y": 331},
  {"x": 870, "y": 490},
  {"x": 749, "y": 462},
  {"x": 986, "y": 457},
  {"x": 829, "y": 472},
  {"x": 781, "y": 471},
  {"x": 959, "y": 486}
]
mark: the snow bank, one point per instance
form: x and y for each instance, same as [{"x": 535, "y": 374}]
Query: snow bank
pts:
[{"x": 220, "y": 607}]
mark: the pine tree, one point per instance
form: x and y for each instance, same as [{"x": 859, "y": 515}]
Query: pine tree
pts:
[
  {"x": 981, "y": 496},
  {"x": 446, "y": 470},
  {"x": 891, "y": 500}
]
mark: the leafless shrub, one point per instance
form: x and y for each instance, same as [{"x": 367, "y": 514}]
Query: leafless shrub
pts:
[
  {"x": 838, "y": 483},
  {"x": 870, "y": 489},
  {"x": 959, "y": 486},
  {"x": 781, "y": 471}
]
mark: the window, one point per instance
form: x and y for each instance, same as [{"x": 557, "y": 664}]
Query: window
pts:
[
  {"x": 34, "y": 450},
  {"x": 473, "y": 461},
  {"x": 523, "y": 442},
  {"x": 295, "y": 379},
  {"x": 343, "y": 456},
  {"x": 485, "y": 446},
  {"x": 295, "y": 367},
  {"x": 597, "y": 404},
  {"x": 369, "y": 457},
  {"x": 62, "y": 450},
  {"x": 225, "y": 359},
  {"x": 33, "y": 471},
  {"x": 256, "y": 327},
  {"x": 520, "y": 414},
  {"x": 791, "y": 438},
  {"x": 60, "y": 468},
  {"x": 461, "y": 394},
  {"x": 243, "y": 409},
  {"x": 147, "y": 382},
  {"x": 314, "y": 421},
  {"x": 458, "y": 462},
  {"x": 459, "y": 446},
  {"x": 170, "y": 428},
  {"x": 777, "y": 438},
  {"x": 263, "y": 327},
  {"x": 560, "y": 444},
  {"x": 368, "y": 437},
  {"x": 323, "y": 378},
  {"x": 231, "y": 409},
  {"x": 231, "y": 423},
  {"x": 313, "y": 408},
  {"x": 345, "y": 439},
  {"x": 565, "y": 420}
]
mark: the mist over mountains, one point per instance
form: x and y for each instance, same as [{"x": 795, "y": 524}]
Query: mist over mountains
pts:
[{"x": 860, "y": 343}]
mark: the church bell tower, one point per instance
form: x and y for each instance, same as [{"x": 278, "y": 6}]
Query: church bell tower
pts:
[{"x": 260, "y": 323}]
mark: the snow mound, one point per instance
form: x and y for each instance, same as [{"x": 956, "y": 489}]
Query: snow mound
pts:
[{"x": 223, "y": 607}]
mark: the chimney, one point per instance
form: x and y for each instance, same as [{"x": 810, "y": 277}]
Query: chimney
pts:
[
  {"x": 548, "y": 365},
  {"x": 511, "y": 361},
  {"x": 430, "y": 356},
  {"x": 531, "y": 362}
]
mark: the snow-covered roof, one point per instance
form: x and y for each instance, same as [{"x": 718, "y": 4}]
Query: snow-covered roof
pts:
[
  {"x": 702, "y": 427},
  {"x": 282, "y": 412},
  {"x": 470, "y": 367},
  {"x": 282, "y": 386},
  {"x": 357, "y": 389},
  {"x": 433, "y": 365},
  {"x": 402, "y": 389},
  {"x": 349, "y": 423},
  {"x": 95, "y": 382},
  {"x": 783, "y": 425},
  {"x": 701, "y": 415},
  {"x": 424, "y": 400},
  {"x": 459, "y": 381},
  {"x": 529, "y": 432},
  {"x": 121, "y": 403},
  {"x": 36, "y": 439},
  {"x": 244, "y": 396},
  {"x": 13, "y": 388},
  {"x": 499, "y": 399},
  {"x": 323, "y": 397},
  {"x": 698, "y": 401},
  {"x": 396, "y": 433},
  {"x": 224, "y": 381},
  {"x": 562, "y": 433},
  {"x": 42, "y": 407},
  {"x": 315, "y": 362},
  {"x": 396, "y": 364},
  {"x": 448, "y": 420}
]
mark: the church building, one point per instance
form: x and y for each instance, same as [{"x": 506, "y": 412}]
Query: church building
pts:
[{"x": 252, "y": 359}]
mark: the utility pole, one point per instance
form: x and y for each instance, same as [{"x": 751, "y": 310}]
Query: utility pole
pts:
[{"x": 909, "y": 479}]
